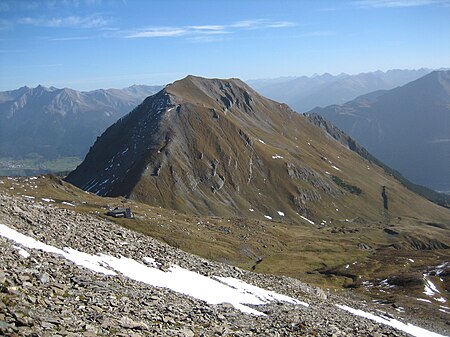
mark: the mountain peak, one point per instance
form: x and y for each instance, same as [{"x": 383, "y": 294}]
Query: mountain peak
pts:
[
  {"x": 40, "y": 87},
  {"x": 221, "y": 94},
  {"x": 206, "y": 84}
]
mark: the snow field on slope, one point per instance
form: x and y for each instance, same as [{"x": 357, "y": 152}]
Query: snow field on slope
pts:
[{"x": 214, "y": 290}]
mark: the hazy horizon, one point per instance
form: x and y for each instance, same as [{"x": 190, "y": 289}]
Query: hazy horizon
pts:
[{"x": 245, "y": 80}]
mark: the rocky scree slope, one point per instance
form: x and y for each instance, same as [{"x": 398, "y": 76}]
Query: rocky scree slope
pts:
[
  {"x": 408, "y": 127},
  {"x": 216, "y": 147},
  {"x": 43, "y": 294}
]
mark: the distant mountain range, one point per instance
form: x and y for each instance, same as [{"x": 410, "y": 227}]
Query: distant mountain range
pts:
[
  {"x": 408, "y": 127},
  {"x": 305, "y": 93},
  {"x": 217, "y": 147},
  {"x": 51, "y": 123}
]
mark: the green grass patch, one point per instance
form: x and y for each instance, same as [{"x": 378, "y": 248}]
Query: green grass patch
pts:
[{"x": 351, "y": 188}]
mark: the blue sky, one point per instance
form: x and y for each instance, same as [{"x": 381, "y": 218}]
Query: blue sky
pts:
[{"x": 88, "y": 44}]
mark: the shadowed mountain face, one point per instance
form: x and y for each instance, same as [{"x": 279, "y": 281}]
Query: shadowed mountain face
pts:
[
  {"x": 52, "y": 123},
  {"x": 407, "y": 128},
  {"x": 217, "y": 147},
  {"x": 305, "y": 93}
]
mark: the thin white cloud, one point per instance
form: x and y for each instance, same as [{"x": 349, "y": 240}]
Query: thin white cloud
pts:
[
  {"x": 30, "y": 5},
  {"x": 398, "y": 3},
  {"x": 159, "y": 32},
  {"x": 208, "y": 27},
  {"x": 198, "y": 30},
  {"x": 261, "y": 23},
  {"x": 93, "y": 21},
  {"x": 247, "y": 24},
  {"x": 281, "y": 24}
]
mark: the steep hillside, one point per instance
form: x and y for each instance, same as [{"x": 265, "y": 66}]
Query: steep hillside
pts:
[
  {"x": 49, "y": 123},
  {"x": 305, "y": 93},
  {"x": 216, "y": 147},
  {"x": 408, "y": 127}
]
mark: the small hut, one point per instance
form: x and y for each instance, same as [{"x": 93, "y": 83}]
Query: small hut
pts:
[{"x": 120, "y": 213}]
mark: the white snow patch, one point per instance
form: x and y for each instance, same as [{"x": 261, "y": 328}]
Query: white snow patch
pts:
[
  {"x": 440, "y": 269},
  {"x": 68, "y": 203},
  {"x": 213, "y": 291},
  {"x": 430, "y": 288},
  {"x": 83, "y": 259},
  {"x": 385, "y": 283},
  {"x": 326, "y": 172},
  {"x": 280, "y": 213},
  {"x": 28, "y": 197},
  {"x": 150, "y": 261},
  {"x": 276, "y": 156},
  {"x": 104, "y": 182},
  {"x": 261, "y": 141},
  {"x": 268, "y": 217},
  {"x": 411, "y": 260},
  {"x": 406, "y": 327},
  {"x": 306, "y": 219},
  {"x": 251, "y": 209},
  {"x": 47, "y": 200},
  {"x": 125, "y": 151},
  {"x": 336, "y": 168},
  {"x": 22, "y": 252},
  {"x": 262, "y": 294},
  {"x": 346, "y": 267}
]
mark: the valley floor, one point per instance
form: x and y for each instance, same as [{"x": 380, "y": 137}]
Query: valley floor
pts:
[{"x": 37, "y": 165}]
